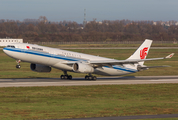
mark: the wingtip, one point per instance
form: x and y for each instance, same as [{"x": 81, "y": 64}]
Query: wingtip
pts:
[{"x": 170, "y": 56}]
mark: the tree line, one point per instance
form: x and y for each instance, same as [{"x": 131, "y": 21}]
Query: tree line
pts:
[{"x": 67, "y": 31}]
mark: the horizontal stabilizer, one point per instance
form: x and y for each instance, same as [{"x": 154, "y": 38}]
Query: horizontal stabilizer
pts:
[
  {"x": 140, "y": 68},
  {"x": 170, "y": 56},
  {"x": 155, "y": 66}
]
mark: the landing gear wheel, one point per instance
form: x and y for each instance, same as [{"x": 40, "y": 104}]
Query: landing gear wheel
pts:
[
  {"x": 65, "y": 76},
  {"x": 18, "y": 66},
  {"x": 90, "y": 77},
  {"x": 62, "y": 76},
  {"x": 69, "y": 77},
  {"x": 86, "y": 77},
  {"x": 94, "y": 78}
]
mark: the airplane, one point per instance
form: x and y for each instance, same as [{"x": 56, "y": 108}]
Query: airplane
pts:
[{"x": 43, "y": 58}]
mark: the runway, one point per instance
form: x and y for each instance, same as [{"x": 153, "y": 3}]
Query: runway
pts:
[{"x": 29, "y": 82}]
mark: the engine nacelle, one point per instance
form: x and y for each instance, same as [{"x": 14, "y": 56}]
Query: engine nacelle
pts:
[
  {"x": 40, "y": 68},
  {"x": 82, "y": 68}
]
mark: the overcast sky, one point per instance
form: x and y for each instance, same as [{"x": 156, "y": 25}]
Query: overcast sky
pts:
[{"x": 73, "y": 10}]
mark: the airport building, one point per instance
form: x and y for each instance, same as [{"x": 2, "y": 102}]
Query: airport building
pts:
[{"x": 7, "y": 41}]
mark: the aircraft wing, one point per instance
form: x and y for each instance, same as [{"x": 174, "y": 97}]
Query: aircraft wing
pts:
[{"x": 115, "y": 62}]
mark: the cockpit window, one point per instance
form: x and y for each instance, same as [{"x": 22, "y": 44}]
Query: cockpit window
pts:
[{"x": 11, "y": 46}]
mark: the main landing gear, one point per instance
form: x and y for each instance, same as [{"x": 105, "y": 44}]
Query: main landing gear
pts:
[
  {"x": 90, "y": 77},
  {"x": 69, "y": 77},
  {"x": 18, "y": 64},
  {"x": 66, "y": 76}
]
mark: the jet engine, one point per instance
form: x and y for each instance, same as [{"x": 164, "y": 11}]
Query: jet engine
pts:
[
  {"x": 40, "y": 68},
  {"x": 82, "y": 68}
]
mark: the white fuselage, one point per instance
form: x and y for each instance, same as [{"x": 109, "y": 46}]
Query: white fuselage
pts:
[{"x": 57, "y": 58}]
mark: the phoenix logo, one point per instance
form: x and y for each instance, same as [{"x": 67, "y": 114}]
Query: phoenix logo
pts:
[{"x": 143, "y": 53}]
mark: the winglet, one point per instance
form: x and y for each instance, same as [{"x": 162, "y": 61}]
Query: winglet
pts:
[{"x": 170, "y": 56}]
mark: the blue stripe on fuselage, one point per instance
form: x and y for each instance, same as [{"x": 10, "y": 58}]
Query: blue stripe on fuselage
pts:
[
  {"x": 43, "y": 54},
  {"x": 122, "y": 68}
]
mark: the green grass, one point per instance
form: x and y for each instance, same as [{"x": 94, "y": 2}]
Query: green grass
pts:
[
  {"x": 8, "y": 70},
  {"x": 88, "y": 101}
]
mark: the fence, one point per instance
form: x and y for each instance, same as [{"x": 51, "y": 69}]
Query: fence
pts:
[{"x": 118, "y": 42}]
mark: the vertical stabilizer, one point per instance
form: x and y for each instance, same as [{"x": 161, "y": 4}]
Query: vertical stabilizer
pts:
[{"x": 142, "y": 51}]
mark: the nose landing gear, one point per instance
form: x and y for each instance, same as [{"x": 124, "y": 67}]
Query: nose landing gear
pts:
[{"x": 18, "y": 64}]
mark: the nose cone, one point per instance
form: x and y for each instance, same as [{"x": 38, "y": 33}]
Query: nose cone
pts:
[
  {"x": 4, "y": 50},
  {"x": 9, "y": 52}
]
